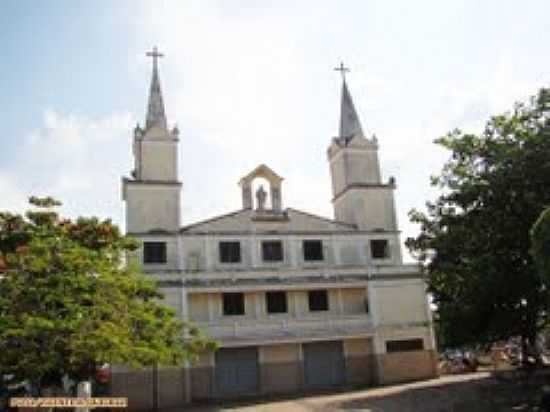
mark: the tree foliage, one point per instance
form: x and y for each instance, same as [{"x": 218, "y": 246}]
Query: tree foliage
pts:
[
  {"x": 474, "y": 238},
  {"x": 540, "y": 243},
  {"x": 68, "y": 303}
]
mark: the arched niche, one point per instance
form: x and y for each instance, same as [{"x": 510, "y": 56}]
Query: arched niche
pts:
[{"x": 275, "y": 186}]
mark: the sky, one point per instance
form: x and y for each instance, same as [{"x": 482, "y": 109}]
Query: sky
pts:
[{"x": 250, "y": 82}]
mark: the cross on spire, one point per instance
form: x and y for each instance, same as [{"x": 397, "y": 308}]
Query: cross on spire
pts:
[
  {"x": 155, "y": 55},
  {"x": 155, "y": 107},
  {"x": 342, "y": 69}
]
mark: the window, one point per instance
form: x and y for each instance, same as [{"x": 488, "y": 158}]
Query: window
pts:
[
  {"x": 276, "y": 302},
  {"x": 230, "y": 252},
  {"x": 313, "y": 250},
  {"x": 406, "y": 345},
  {"x": 272, "y": 251},
  {"x": 379, "y": 249},
  {"x": 233, "y": 304},
  {"x": 318, "y": 300},
  {"x": 154, "y": 252}
]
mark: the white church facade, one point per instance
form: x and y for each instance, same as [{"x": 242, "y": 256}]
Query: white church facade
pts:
[{"x": 296, "y": 301}]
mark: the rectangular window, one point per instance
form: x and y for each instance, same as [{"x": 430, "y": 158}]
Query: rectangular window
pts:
[
  {"x": 272, "y": 251},
  {"x": 313, "y": 250},
  {"x": 230, "y": 252},
  {"x": 233, "y": 304},
  {"x": 405, "y": 345},
  {"x": 318, "y": 300},
  {"x": 276, "y": 302},
  {"x": 379, "y": 249},
  {"x": 154, "y": 252}
]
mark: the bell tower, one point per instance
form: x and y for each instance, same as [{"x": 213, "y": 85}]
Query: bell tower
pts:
[
  {"x": 153, "y": 193},
  {"x": 359, "y": 195}
]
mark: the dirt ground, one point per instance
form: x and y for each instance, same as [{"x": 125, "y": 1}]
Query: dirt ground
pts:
[{"x": 476, "y": 392}]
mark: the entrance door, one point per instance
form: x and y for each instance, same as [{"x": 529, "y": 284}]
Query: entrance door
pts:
[
  {"x": 236, "y": 371},
  {"x": 323, "y": 364}
]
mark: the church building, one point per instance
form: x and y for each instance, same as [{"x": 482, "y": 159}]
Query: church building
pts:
[{"x": 297, "y": 302}]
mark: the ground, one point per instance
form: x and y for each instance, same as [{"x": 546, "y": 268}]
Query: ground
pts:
[{"x": 476, "y": 392}]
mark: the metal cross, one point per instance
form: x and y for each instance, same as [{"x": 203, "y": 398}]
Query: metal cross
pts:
[
  {"x": 342, "y": 69},
  {"x": 155, "y": 55}
]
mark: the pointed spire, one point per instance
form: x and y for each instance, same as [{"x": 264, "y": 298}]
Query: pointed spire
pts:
[
  {"x": 155, "y": 108},
  {"x": 349, "y": 121}
]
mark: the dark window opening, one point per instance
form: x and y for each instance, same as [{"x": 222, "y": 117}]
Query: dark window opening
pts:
[
  {"x": 233, "y": 304},
  {"x": 379, "y": 249},
  {"x": 406, "y": 345},
  {"x": 154, "y": 252},
  {"x": 313, "y": 250},
  {"x": 272, "y": 251},
  {"x": 230, "y": 252},
  {"x": 318, "y": 300},
  {"x": 276, "y": 302}
]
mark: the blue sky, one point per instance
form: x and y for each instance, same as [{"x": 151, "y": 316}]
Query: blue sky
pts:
[{"x": 251, "y": 82}]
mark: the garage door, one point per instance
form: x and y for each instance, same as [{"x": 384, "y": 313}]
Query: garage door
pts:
[
  {"x": 236, "y": 371},
  {"x": 323, "y": 364}
]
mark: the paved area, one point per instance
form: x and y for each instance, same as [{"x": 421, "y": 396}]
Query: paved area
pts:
[{"x": 448, "y": 393}]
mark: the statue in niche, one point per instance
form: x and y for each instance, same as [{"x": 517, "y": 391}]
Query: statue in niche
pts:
[{"x": 261, "y": 195}]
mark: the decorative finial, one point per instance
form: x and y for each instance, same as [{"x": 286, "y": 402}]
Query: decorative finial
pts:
[{"x": 342, "y": 69}]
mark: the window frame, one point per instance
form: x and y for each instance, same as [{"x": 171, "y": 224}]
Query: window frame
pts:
[
  {"x": 150, "y": 256},
  {"x": 230, "y": 261},
  {"x": 227, "y": 300},
  {"x": 315, "y": 307},
  {"x": 304, "y": 250},
  {"x": 278, "y": 293},
  {"x": 373, "y": 248},
  {"x": 264, "y": 243},
  {"x": 404, "y": 345}
]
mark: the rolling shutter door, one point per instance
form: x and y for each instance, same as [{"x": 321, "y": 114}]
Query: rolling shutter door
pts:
[
  {"x": 236, "y": 372},
  {"x": 323, "y": 364}
]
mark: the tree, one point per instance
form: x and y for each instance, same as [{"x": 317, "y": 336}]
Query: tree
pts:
[
  {"x": 540, "y": 244},
  {"x": 69, "y": 305},
  {"x": 474, "y": 238}
]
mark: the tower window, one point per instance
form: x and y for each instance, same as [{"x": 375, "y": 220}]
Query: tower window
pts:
[
  {"x": 230, "y": 252},
  {"x": 233, "y": 304},
  {"x": 405, "y": 345},
  {"x": 276, "y": 302},
  {"x": 272, "y": 251},
  {"x": 380, "y": 249},
  {"x": 154, "y": 252},
  {"x": 318, "y": 300},
  {"x": 313, "y": 250}
]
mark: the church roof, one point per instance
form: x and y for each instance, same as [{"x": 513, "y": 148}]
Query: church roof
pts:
[
  {"x": 155, "y": 108},
  {"x": 249, "y": 221}
]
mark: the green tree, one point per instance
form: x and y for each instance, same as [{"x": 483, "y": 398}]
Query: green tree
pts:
[
  {"x": 474, "y": 238},
  {"x": 540, "y": 244},
  {"x": 68, "y": 304}
]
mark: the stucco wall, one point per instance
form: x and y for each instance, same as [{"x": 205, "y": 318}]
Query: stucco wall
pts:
[
  {"x": 412, "y": 307},
  {"x": 150, "y": 207},
  {"x": 406, "y": 366},
  {"x": 360, "y": 361},
  {"x": 159, "y": 160}
]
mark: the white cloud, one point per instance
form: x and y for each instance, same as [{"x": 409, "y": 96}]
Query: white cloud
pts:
[{"x": 75, "y": 159}]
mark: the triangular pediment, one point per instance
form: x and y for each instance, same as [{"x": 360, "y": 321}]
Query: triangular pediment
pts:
[
  {"x": 249, "y": 221},
  {"x": 262, "y": 171}
]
